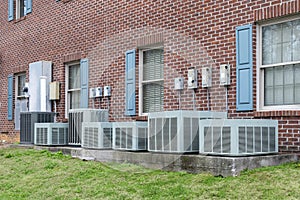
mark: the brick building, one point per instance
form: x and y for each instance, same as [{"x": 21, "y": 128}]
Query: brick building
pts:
[{"x": 99, "y": 40}]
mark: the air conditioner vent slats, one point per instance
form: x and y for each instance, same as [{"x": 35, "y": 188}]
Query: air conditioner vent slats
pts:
[
  {"x": 97, "y": 135},
  {"x": 27, "y": 121},
  {"x": 78, "y": 116},
  {"x": 131, "y": 136},
  {"x": 177, "y": 131},
  {"x": 238, "y": 137},
  {"x": 50, "y": 133}
]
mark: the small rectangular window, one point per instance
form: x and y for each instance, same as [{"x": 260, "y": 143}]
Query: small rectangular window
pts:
[
  {"x": 21, "y": 8},
  {"x": 20, "y": 83}
]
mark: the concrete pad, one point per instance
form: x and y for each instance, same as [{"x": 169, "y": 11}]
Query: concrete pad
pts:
[{"x": 192, "y": 163}]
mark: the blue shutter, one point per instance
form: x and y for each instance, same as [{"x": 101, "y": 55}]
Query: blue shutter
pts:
[
  {"x": 10, "y": 98},
  {"x": 29, "y": 6},
  {"x": 10, "y": 10},
  {"x": 130, "y": 82},
  {"x": 84, "y": 83},
  {"x": 244, "y": 82}
]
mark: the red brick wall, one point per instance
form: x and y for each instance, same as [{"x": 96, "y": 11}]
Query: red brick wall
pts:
[{"x": 194, "y": 34}]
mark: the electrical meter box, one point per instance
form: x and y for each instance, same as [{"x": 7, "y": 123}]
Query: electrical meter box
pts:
[
  {"x": 206, "y": 77},
  {"x": 178, "y": 83},
  {"x": 98, "y": 91},
  {"x": 92, "y": 93},
  {"x": 192, "y": 79},
  {"x": 54, "y": 91},
  {"x": 225, "y": 74},
  {"x": 107, "y": 91}
]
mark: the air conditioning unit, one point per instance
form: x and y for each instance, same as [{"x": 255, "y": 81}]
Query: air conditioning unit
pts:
[
  {"x": 131, "y": 136},
  {"x": 77, "y": 116},
  {"x": 238, "y": 137},
  {"x": 27, "y": 121},
  {"x": 97, "y": 135},
  {"x": 50, "y": 133},
  {"x": 177, "y": 131}
]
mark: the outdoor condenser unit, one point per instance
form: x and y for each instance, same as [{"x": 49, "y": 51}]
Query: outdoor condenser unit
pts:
[
  {"x": 97, "y": 135},
  {"x": 177, "y": 131},
  {"x": 77, "y": 116},
  {"x": 238, "y": 137},
  {"x": 50, "y": 133},
  {"x": 131, "y": 136},
  {"x": 27, "y": 121}
]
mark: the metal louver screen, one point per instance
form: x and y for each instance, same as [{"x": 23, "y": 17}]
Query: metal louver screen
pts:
[
  {"x": 78, "y": 116},
  {"x": 130, "y": 136},
  {"x": 217, "y": 139},
  {"x": 238, "y": 137},
  {"x": 50, "y": 133},
  {"x": 153, "y": 89},
  {"x": 27, "y": 121},
  {"x": 256, "y": 139},
  {"x": 41, "y": 136},
  {"x": 107, "y": 137},
  {"x": 97, "y": 135},
  {"x": 58, "y": 136}
]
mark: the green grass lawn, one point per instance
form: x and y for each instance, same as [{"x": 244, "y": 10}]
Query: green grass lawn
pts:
[{"x": 32, "y": 174}]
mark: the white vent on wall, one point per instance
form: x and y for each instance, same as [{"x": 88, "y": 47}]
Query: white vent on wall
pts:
[
  {"x": 238, "y": 137},
  {"x": 131, "y": 136},
  {"x": 97, "y": 135},
  {"x": 50, "y": 133},
  {"x": 77, "y": 116},
  {"x": 177, "y": 131}
]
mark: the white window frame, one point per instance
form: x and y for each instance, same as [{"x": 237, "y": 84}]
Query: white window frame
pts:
[
  {"x": 18, "y": 11},
  {"x": 260, "y": 72},
  {"x": 67, "y": 96},
  {"x": 141, "y": 82},
  {"x": 17, "y": 85}
]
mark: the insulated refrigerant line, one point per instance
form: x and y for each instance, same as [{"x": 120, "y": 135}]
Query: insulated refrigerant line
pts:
[
  {"x": 179, "y": 99},
  {"x": 208, "y": 99},
  {"x": 194, "y": 101}
]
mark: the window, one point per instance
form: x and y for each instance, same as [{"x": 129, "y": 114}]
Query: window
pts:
[
  {"x": 20, "y": 83},
  {"x": 18, "y": 8},
  {"x": 280, "y": 65},
  {"x": 73, "y": 86},
  {"x": 151, "y": 80}
]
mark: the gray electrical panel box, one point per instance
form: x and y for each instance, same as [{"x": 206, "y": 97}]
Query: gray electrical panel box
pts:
[
  {"x": 54, "y": 90},
  {"x": 98, "y": 91},
  {"x": 107, "y": 91},
  {"x": 225, "y": 74},
  {"x": 206, "y": 77},
  {"x": 92, "y": 93},
  {"x": 178, "y": 83},
  {"x": 192, "y": 79}
]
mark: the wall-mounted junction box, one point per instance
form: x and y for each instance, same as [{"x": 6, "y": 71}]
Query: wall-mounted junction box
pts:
[
  {"x": 92, "y": 93},
  {"x": 192, "y": 79},
  {"x": 225, "y": 74},
  {"x": 98, "y": 91},
  {"x": 54, "y": 91},
  {"x": 206, "y": 77},
  {"x": 178, "y": 83},
  {"x": 107, "y": 91}
]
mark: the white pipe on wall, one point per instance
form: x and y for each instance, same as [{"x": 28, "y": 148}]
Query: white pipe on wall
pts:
[{"x": 43, "y": 93}]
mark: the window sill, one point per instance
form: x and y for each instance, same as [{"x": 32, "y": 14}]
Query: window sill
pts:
[
  {"x": 20, "y": 19},
  {"x": 277, "y": 113},
  {"x": 64, "y": 1},
  {"x": 141, "y": 118}
]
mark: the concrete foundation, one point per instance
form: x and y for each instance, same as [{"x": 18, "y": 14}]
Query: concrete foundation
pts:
[{"x": 192, "y": 163}]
